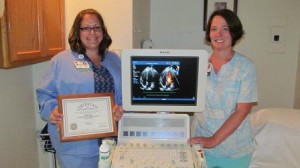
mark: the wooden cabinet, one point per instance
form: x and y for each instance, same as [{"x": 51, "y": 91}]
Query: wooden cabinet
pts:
[{"x": 31, "y": 31}]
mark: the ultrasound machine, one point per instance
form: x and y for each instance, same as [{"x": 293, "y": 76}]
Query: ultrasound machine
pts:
[{"x": 161, "y": 89}]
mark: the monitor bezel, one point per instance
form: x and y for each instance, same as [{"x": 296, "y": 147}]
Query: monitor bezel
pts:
[{"x": 126, "y": 55}]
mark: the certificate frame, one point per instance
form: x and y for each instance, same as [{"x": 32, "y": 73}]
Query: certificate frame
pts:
[
  {"x": 211, "y": 5},
  {"x": 86, "y": 116}
]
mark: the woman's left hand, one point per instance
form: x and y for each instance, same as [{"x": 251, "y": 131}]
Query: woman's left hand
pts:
[{"x": 118, "y": 112}]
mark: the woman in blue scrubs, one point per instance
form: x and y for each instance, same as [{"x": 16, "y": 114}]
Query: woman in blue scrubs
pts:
[
  {"x": 223, "y": 128},
  {"x": 87, "y": 68}
]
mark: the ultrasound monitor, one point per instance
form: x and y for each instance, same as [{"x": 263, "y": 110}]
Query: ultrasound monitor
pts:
[{"x": 162, "y": 80}]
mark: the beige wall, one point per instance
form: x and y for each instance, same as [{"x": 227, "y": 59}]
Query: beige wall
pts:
[
  {"x": 17, "y": 119},
  {"x": 297, "y": 88},
  {"x": 117, "y": 16}
]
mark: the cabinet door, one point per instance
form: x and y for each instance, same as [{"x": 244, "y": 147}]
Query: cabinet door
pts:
[
  {"x": 25, "y": 36},
  {"x": 54, "y": 29},
  {"x": 32, "y": 31}
]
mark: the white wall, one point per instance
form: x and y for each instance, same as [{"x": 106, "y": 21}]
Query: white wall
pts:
[
  {"x": 178, "y": 24},
  {"x": 141, "y": 21},
  {"x": 44, "y": 157},
  {"x": 276, "y": 71}
]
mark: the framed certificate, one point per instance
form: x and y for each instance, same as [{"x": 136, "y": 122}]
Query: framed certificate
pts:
[{"x": 86, "y": 116}]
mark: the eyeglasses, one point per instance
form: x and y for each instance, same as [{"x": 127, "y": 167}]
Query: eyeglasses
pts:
[{"x": 88, "y": 29}]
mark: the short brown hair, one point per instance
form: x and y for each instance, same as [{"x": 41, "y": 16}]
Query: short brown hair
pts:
[{"x": 233, "y": 21}]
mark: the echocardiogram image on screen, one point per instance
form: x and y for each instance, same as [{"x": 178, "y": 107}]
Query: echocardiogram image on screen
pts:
[{"x": 164, "y": 80}]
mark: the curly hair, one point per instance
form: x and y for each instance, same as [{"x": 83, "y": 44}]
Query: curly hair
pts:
[
  {"x": 74, "y": 35},
  {"x": 233, "y": 21}
]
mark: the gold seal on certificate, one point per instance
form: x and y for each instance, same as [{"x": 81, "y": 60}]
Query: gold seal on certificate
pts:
[
  {"x": 86, "y": 116},
  {"x": 73, "y": 126}
]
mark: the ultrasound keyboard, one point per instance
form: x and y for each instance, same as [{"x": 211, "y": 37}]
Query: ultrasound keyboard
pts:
[
  {"x": 153, "y": 141},
  {"x": 152, "y": 155}
]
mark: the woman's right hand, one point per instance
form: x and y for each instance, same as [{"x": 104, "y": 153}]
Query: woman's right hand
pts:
[
  {"x": 56, "y": 116},
  {"x": 205, "y": 142}
]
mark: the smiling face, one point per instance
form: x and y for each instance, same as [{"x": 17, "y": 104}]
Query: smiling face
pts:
[
  {"x": 219, "y": 34},
  {"x": 91, "y": 38}
]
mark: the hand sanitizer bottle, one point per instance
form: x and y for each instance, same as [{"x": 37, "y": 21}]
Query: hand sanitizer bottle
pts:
[{"x": 104, "y": 160}]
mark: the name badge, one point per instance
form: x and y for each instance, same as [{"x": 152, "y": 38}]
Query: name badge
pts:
[{"x": 81, "y": 65}]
